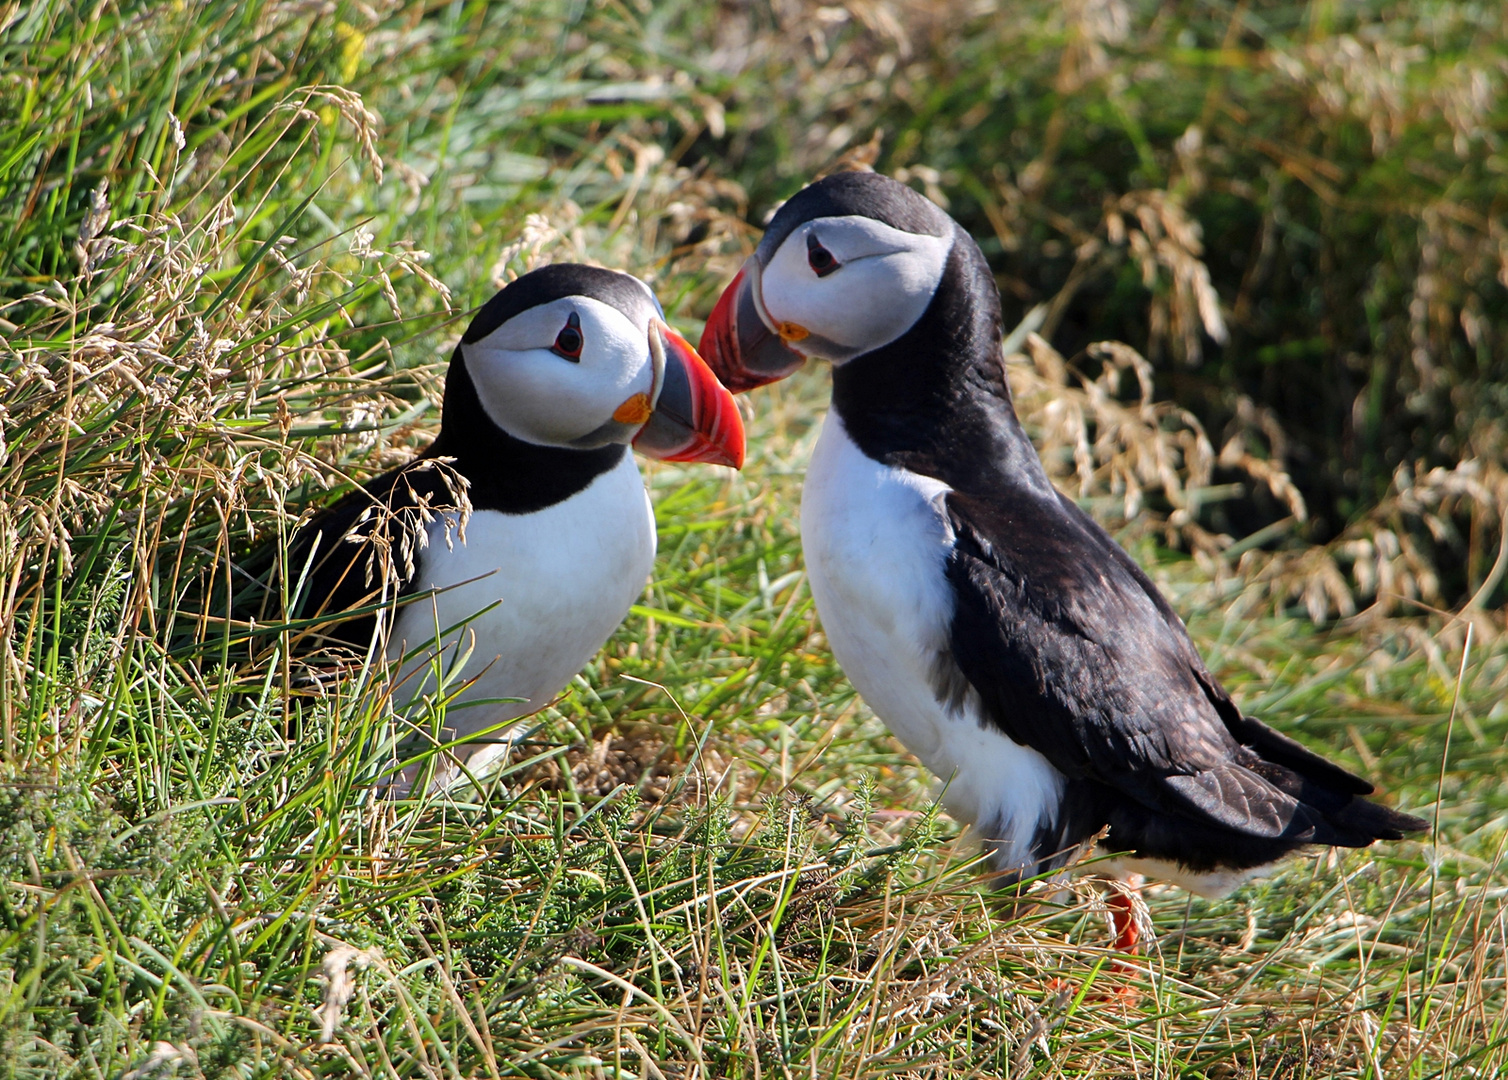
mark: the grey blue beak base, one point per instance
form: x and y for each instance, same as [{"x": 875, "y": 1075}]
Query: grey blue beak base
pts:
[{"x": 738, "y": 343}]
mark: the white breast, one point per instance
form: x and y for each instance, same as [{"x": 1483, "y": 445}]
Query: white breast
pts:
[
  {"x": 562, "y": 579},
  {"x": 876, "y": 541}
]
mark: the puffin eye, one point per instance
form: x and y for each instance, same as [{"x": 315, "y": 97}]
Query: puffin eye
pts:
[
  {"x": 819, "y": 258},
  {"x": 569, "y": 341}
]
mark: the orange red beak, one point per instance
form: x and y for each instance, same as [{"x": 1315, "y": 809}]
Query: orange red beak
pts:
[{"x": 693, "y": 417}]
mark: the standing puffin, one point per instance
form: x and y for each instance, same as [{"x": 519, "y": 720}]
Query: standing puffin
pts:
[
  {"x": 556, "y": 376},
  {"x": 999, "y": 632}
]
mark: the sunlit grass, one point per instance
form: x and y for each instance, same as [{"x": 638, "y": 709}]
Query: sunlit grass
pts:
[{"x": 707, "y": 858}]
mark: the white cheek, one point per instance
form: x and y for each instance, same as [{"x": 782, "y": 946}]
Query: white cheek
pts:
[
  {"x": 866, "y": 303},
  {"x": 543, "y": 398},
  {"x": 531, "y": 392},
  {"x": 614, "y": 364}
]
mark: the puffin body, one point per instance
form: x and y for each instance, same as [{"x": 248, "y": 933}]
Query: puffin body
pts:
[
  {"x": 495, "y": 610},
  {"x": 534, "y": 595},
  {"x": 877, "y": 544},
  {"x": 1001, "y": 634}
]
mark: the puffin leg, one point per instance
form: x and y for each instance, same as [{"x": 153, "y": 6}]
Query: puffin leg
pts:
[
  {"x": 1123, "y": 921},
  {"x": 1124, "y": 896}
]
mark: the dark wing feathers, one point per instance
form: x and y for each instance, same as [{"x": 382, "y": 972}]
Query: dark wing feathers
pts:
[
  {"x": 1278, "y": 748},
  {"x": 1272, "y": 745},
  {"x": 1084, "y": 660},
  {"x": 368, "y": 538},
  {"x": 1240, "y": 799}
]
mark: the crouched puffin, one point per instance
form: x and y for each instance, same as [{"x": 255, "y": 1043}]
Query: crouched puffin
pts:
[
  {"x": 999, "y": 632},
  {"x": 556, "y": 376}
]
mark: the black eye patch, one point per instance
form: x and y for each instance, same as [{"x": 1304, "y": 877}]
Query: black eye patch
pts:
[
  {"x": 818, "y": 257},
  {"x": 569, "y": 341}
]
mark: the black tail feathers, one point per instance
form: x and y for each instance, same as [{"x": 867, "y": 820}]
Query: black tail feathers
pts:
[{"x": 1360, "y": 822}]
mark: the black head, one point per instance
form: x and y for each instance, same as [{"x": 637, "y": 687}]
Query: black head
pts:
[
  {"x": 847, "y": 265},
  {"x": 626, "y": 293},
  {"x": 578, "y": 358},
  {"x": 861, "y": 270},
  {"x": 855, "y": 194}
]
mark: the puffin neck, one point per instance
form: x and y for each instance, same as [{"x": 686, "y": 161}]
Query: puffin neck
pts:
[
  {"x": 935, "y": 400},
  {"x": 506, "y": 473}
]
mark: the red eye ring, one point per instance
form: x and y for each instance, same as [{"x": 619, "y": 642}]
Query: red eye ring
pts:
[
  {"x": 819, "y": 258},
  {"x": 569, "y": 341}
]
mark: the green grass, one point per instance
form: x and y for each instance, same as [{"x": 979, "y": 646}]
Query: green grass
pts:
[{"x": 708, "y": 858}]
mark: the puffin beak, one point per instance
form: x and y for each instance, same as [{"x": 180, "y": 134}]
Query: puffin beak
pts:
[
  {"x": 692, "y": 417},
  {"x": 739, "y": 344}
]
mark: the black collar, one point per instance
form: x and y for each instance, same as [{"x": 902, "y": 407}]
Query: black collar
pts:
[
  {"x": 505, "y": 472},
  {"x": 935, "y": 400}
]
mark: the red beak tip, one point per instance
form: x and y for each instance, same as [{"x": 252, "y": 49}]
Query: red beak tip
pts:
[{"x": 706, "y": 452}]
